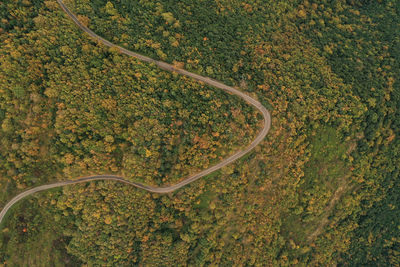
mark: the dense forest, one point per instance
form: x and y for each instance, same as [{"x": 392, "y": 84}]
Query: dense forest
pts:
[{"x": 322, "y": 189}]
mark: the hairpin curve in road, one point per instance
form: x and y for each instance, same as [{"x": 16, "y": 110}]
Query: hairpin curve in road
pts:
[{"x": 170, "y": 68}]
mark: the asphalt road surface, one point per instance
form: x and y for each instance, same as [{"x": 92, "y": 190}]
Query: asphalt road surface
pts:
[{"x": 167, "y": 67}]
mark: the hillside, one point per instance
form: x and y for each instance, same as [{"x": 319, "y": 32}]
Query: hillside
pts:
[{"x": 321, "y": 189}]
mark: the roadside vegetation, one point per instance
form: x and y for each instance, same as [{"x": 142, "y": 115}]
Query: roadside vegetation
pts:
[{"x": 320, "y": 190}]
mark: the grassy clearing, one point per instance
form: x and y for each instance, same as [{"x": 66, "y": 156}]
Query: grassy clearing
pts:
[{"x": 323, "y": 175}]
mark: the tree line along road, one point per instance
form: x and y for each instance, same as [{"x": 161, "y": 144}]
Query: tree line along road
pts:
[{"x": 168, "y": 67}]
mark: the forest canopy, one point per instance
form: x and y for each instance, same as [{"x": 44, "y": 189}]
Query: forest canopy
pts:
[{"x": 321, "y": 189}]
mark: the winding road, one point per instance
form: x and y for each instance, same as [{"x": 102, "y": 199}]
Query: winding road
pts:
[{"x": 170, "y": 68}]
